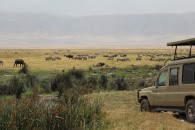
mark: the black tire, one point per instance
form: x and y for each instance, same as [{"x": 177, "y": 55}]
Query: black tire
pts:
[
  {"x": 145, "y": 106},
  {"x": 182, "y": 115},
  {"x": 190, "y": 111}
]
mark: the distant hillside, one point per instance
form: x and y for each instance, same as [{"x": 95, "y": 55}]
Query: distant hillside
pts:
[{"x": 41, "y": 29}]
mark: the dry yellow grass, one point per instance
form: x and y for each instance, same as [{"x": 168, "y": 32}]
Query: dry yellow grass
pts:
[
  {"x": 36, "y": 59},
  {"x": 123, "y": 113},
  {"x": 121, "y": 107}
]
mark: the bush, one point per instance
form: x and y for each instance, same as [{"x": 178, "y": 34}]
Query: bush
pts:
[
  {"x": 16, "y": 87},
  {"x": 141, "y": 83},
  {"x": 92, "y": 80},
  {"x": 121, "y": 83},
  {"x": 3, "y": 89},
  {"x": 61, "y": 78},
  {"x": 77, "y": 73},
  {"x": 24, "y": 69},
  {"x": 31, "y": 80},
  {"x": 45, "y": 87},
  {"x": 112, "y": 85},
  {"x": 103, "y": 81}
]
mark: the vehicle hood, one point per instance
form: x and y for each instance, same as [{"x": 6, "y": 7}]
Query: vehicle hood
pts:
[{"x": 148, "y": 88}]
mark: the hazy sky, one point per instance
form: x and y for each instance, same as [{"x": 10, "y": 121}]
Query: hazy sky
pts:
[{"x": 95, "y": 7}]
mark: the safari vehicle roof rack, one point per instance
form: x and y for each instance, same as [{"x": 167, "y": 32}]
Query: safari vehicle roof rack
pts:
[{"x": 187, "y": 42}]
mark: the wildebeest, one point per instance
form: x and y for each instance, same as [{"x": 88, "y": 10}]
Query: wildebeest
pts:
[
  {"x": 91, "y": 57},
  {"x": 68, "y": 56},
  {"x": 138, "y": 58},
  {"x": 110, "y": 58},
  {"x": 48, "y": 58},
  {"x": 123, "y": 59},
  {"x": 57, "y": 58},
  {"x": 20, "y": 62},
  {"x": 1, "y": 62},
  {"x": 105, "y": 55},
  {"x": 77, "y": 58},
  {"x": 84, "y": 58},
  {"x": 100, "y": 64}
]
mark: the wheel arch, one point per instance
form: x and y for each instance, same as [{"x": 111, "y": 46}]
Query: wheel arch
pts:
[
  {"x": 143, "y": 97},
  {"x": 187, "y": 98}
]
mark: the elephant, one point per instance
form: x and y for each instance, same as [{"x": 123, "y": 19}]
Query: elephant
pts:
[{"x": 20, "y": 62}]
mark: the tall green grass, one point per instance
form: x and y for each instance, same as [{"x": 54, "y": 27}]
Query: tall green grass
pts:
[{"x": 71, "y": 112}]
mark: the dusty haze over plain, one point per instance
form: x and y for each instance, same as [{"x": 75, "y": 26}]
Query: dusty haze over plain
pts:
[{"x": 94, "y": 23}]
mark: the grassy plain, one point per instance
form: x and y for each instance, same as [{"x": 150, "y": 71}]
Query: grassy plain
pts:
[
  {"x": 121, "y": 107},
  {"x": 36, "y": 59}
]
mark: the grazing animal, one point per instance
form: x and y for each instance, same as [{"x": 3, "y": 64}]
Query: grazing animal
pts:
[
  {"x": 110, "y": 58},
  {"x": 57, "y": 58},
  {"x": 20, "y": 62},
  {"x": 138, "y": 58},
  {"x": 105, "y": 55},
  {"x": 69, "y": 56},
  {"x": 100, "y": 64},
  {"x": 91, "y": 57},
  {"x": 48, "y": 58},
  {"x": 123, "y": 59},
  {"x": 84, "y": 58},
  {"x": 1, "y": 62},
  {"x": 77, "y": 58}
]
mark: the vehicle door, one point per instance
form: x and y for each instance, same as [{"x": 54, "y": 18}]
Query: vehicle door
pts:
[
  {"x": 173, "y": 89},
  {"x": 160, "y": 91}
]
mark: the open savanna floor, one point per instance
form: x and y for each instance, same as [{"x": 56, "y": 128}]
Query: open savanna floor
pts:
[
  {"x": 123, "y": 113},
  {"x": 36, "y": 59}
]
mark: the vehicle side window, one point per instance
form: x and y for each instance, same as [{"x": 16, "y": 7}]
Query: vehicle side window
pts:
[
  {"x": 162, "y": 78},
  {"x": 173, "y": 80},
  {"x": 188, "y": 74}
]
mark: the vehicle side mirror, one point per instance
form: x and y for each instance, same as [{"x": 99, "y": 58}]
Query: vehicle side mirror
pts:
[{"x": 156, "y": 83}]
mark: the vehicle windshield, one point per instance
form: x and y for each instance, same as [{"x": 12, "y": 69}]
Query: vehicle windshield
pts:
[{"x": 163, "y": 78}]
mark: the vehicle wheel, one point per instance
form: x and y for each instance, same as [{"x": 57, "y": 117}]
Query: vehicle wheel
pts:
[
  {"x": 190, "y": 111},
  {"x": 145, "y": 106},
  {"x": 182, "y": 114}
]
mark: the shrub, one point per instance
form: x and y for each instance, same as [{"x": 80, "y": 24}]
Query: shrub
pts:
[
  {"x": 141, "y": 83},
  {"x": 61, "y": 78},
  {"x": 112, "y": 85},
  {"x": 24, "y": 69},
  {"x": 92, "y": 80},
  {"x": 31, "y": 80},
  {"x": 121, "y": 83},
  {"x": 103, "y": 81},
  {"x": 77, "y": 73},
  {"x": 3, "y": 89},
  {"x": 16, "y": 87},
  {"x": 45, "y": 87}
]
